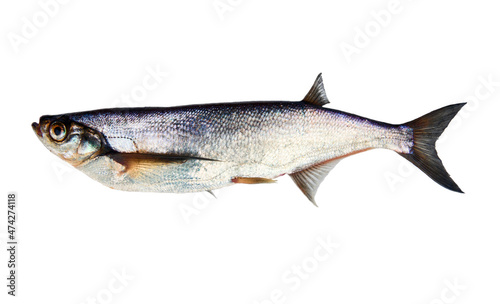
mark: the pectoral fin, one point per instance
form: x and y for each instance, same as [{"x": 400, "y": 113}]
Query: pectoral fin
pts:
[
  {"x": 308, "y": 180},
  {"x": 135, "y": 164}
]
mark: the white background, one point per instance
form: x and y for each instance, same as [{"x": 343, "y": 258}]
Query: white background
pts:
[{"x": 401, "y": 237}]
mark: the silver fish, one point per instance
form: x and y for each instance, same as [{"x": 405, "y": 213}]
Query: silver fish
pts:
[{"x": 205, "y": 147}]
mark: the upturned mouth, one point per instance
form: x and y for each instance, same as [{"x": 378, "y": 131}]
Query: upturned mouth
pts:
[{"x": 36, "y": 128}]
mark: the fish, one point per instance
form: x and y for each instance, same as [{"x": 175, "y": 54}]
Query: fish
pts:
[{"x": 204, "y": 147}]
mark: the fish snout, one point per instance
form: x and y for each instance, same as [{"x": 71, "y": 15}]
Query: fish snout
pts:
[{"x": 36, "y": 128}]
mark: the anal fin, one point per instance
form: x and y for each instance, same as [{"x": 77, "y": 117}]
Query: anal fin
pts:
[{"x": 308, "y": 180}]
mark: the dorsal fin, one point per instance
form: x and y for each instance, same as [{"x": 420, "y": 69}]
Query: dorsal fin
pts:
[
  {"x": 317, "y": 94},
  {"x": 308, "y": 180}
]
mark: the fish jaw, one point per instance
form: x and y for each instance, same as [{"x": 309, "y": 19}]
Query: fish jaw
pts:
[
  {"x": 41, "y": 131},
  {"x": 36, "y": 128}
]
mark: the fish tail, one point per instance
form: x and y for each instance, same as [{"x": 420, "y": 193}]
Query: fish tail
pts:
[{"x": 426, "y": 131}]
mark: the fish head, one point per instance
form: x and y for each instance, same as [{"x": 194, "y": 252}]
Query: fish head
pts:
[{"x": 71, "y": 141}]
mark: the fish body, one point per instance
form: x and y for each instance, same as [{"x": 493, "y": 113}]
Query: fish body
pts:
[{"x": 205, "y": 147}]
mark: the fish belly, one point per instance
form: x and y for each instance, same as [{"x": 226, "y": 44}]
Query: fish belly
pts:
[{"x": 193, "y": 175}]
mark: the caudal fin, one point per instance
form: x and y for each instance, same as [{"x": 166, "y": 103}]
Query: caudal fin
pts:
[{"x": 426, "y": 130}]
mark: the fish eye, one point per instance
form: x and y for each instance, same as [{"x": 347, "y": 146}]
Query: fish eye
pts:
[{"x": 57, "y": 131}]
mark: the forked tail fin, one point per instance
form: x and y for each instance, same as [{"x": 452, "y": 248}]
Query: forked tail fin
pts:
[{"x": 426, "y": 130}]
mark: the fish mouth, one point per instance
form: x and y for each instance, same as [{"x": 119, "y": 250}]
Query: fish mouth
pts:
[{"x": 36, "y": 128}]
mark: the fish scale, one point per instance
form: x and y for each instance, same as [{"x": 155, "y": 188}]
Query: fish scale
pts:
[{"x": 268, "y": 133}]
